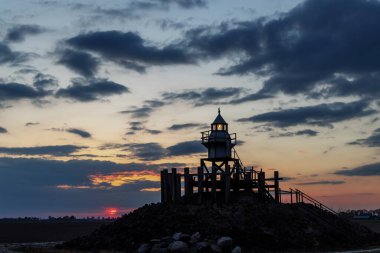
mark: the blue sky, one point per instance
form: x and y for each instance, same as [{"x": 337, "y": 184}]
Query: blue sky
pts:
[{"x": 96, "y": 98}]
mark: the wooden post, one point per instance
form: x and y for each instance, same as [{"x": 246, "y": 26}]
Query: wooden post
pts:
[
  {"x": 200, "y": 184},
  {"x": 174, "y": 185},
  {"x": 227, "y": 179},
  {"x": 276, "y": 187},
  {"x": 291, "y": 196},
  {"x": 188, "y": 184},
  {"x": 163, "y": 187},
  {"x": 178, "y": 190},
  {"x": 168, "y": 193},
  {"x": 213, "y": 183}
]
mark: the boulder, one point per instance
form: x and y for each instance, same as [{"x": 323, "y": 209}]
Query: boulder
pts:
[
  {"x": 177, "y": 236},
  {"x": 214, "y": 248},
  {"x": 225, "y": 243},
  {"x": 144, "y": 248},
  {"x": 201, "y": 247},
  {"x": 195, "y": 237},
  {"x": 178, "y": 247},
  {"x": 237, "y": 249}
]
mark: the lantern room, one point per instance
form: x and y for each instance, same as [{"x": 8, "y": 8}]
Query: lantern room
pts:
[{"x": 218, "y": 141}]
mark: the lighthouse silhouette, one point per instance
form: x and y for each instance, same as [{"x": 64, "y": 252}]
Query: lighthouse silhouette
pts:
[{"x": 218, "y": 141}]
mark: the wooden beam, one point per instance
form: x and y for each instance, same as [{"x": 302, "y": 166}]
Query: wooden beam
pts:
[
  {"x": 276, "y": 187},
  {"x": 200, "y": 184}
]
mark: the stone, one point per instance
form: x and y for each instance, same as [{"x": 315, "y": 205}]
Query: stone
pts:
[
  {"x": 195, "y": 237},
  {"x": 215, "y": 248},
  {"x": 178, "y": 247},
  {"x": 202, "y": 247},
  {"x": 237, "y": 249},
  {"x": 144, "y": 248},
  {"x": 177, "y": 236},
  {"x": 225, "y": 242},
  {"x": 185, "y": 237}
]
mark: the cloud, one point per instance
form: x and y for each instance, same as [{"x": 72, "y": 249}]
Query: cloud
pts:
[
  {"x": 16, "y": 91},
  {"x": 58, "y": 150},
  {"x": 302, "y": 51},
  {"x": 187, "y": 4},
  {"x": 43, "y": 82},
  {"x": 19, "y": 32},
  {"x": 92, "y": 184},
  {"x": 129, "y": 50},
  {"x": 371, "y": 141},
  {"x": 91, "y": 90},
  {"x": 80, "y": 62},
  {"x": 32, "y": 124},
  {"x": 306, "y": 132},
  {"x": 176, "y": 127},
  {"x": 365, "y": 170},
  {"x": 324, "y": 182},
  {"x": 204, "y": 96},
  {"x": 135, "y": 9},
  {"x": 7, "y": 56},
  {"x": 186, "y": 148},
  {"x": 152, "y": 151},
  {"x": 146, "y": 109},
  {"x": 146, "y": 151},
  {"x": 80, "y": 132},
  {"x": 3, "y": 130},
  {"x": 319, "y": 115}
]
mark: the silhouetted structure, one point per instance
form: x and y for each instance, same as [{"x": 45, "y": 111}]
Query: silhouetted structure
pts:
[{"x": 222, "y": 173}]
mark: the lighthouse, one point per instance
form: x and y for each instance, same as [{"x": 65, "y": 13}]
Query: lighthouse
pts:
[{"x": 218, "y": 141}]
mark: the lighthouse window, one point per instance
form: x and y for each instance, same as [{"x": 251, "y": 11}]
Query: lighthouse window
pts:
[{"x": 220, "y": 127}]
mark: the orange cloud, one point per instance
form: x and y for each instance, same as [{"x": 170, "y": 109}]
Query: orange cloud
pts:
[{"x": 126, "y": 177}]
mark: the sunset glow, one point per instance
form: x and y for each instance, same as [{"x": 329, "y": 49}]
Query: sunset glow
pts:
[{"x": 95, "y": 103}]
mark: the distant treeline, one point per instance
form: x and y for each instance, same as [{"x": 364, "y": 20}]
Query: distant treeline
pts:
[{"x": 361, "y": 214}]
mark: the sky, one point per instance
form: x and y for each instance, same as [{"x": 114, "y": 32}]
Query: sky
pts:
[{"x": 96, "y": 97}]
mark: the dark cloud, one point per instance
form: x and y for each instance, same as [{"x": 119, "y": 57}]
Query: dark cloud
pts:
[
  {"x": 3, "y": 130},
  {"x": 145, "y": 110},
  {"x": 146, "y": 151},
  {"x": 371, "y": 141},
  {"x": 15, "y": 91},
  {"x": 319, "y": 115},
  {"x": 187, "y": 4},
  {"x": 80, "y": 132},
  {"x": 306, "y": 132},
  {"x": 135, "y": 9},
  {"x": 323, "y": 182},
  {"x": 80, "y": 62},
  {"x": 303, "y": 51},
  {"x": 7, "y": 56},
  {"x": 186, "y": 148},
  {"x": 154, "y": 151},
  {"x": 32, "y": 124},
  {"x": 365, "y": 170},
  {"x": 153, "y": 131},
  {"x": 129, "y": 49},
  {"x": 19, "y": 32},
  {"x": 29, "y": 186},
  {"x": 139, "y": 112},
  {"x": 176, "y": 127},
  {"x": 204, "y": 96},
  {"x": 91, "y": 90},
  {"x": 59, "y": 150},
  {"x": 43, "y": 82}
]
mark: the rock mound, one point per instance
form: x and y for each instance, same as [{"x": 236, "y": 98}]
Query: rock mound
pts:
[{"x": 252, "y": 225}]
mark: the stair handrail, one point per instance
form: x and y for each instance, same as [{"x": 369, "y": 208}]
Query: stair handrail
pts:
[{"x": 316, "y": 202}]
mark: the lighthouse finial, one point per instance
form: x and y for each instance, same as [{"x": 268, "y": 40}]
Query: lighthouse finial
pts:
[{"x": 219, "y": 110}]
